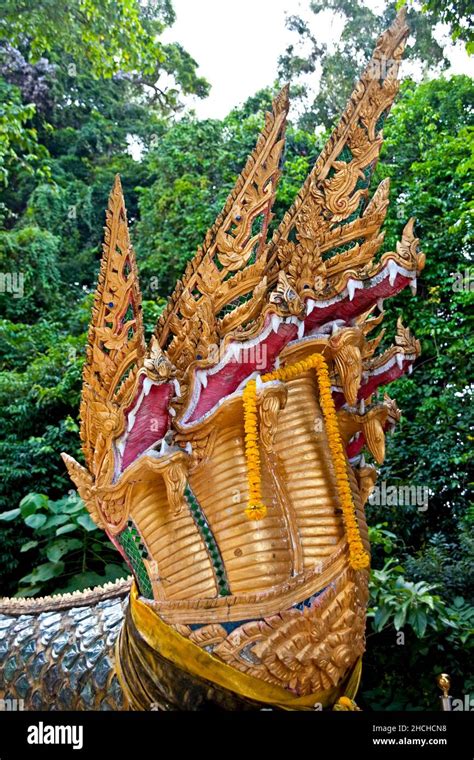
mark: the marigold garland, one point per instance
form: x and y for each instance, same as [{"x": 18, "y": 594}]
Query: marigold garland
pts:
[{"x": 256, "y": 510}]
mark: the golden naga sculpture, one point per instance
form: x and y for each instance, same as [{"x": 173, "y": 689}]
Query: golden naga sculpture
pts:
[{"x": 225, "y": 460}]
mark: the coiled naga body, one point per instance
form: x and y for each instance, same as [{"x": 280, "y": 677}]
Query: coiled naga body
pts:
[{"x": 225, "y": 460}]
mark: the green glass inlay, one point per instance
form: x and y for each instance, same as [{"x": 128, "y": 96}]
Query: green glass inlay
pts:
[
  {"x": 363, "y": 183},
  {"x": 345, "y": 154},
  {"x": 129, "y": 540},
  {"x": 238, "y": 301},
  {"x": 380, "y": 121},
  {"x": 342, "y": 248},
  {"x": 209, "y": 541}
]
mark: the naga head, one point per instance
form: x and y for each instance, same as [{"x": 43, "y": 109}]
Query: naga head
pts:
[{"x": 225, "y": 460}]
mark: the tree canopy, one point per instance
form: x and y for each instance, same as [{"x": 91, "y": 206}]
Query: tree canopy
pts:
[{"x": 339, "y": 62}]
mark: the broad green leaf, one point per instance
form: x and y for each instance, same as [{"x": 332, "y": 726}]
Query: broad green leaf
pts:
[
  {"x": 418, "y": 621},
  {"x": 382, "y": 614},
  {"x": 400, "y": 617},
  {"x": 72, "y": 508},
  {"x": 44, "y": 572},
  {"x": 113, "y": 572},
  {"x": 10, "y": 515},
  {"x": 66, "y": 529},
  {"x": 88, "y": 579},
  {"x": 87, "y": 523},
  {"x": 33, "y": 502},
  {"x": 36, "y": 520},
  {"x": 29, "y": 545},
  {"x": 54, "y": 521},
  {"x": 61, "y": 547},
  {"x": 29, "y": 591}
]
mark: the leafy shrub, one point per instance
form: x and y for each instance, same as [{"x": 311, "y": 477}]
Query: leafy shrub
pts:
[
  {"x": 68, "y": 551},
  {"x": 413, "y": 635}
]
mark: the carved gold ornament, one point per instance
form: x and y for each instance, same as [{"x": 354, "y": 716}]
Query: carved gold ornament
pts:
[{"x": 254, "y": 399}]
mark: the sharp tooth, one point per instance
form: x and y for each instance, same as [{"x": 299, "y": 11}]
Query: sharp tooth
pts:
[
  {"x": 147, "y": 383},
  {"x": 188, "y": 448},
  {"x": 362, "y": 406},
  {"x": 131, "y": 420},
  {"x": 362, "y": 461},
  {"x": 413, "y": 286},
  {"x": 301, "y": 329},
  {"x": 352, "y": 286},
  {"x": 357, "y": 436},
  {"x": 310, "y": 304},
  {"x": 333, "y": 326},
  {"x": 275, "y": 322},
  {"x": 164, "y": 448},
  {"x": 258, "y": 383},
  {"x": 202, "y": 377},
  {"x": 400, "y": 360},
  {"x": 172, "y": 411},
  {"x": 380, "y": 304},
  {"x": 410, "y": 369},
  {"x": 392, "y": 270},
  {"x": 177, "y": 388}
]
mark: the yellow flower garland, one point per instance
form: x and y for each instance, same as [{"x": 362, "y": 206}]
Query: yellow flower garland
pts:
[{"x": 256, "y": 510}]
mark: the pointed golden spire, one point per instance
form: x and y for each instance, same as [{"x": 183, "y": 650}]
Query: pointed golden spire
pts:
[
  {"x": 116, "y": 335},
  {"x": 234, "y": 244},
  {"x": 331, "y": 207}
]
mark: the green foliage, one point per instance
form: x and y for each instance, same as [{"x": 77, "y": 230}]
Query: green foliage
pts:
[
  {"x": 66, "y": 549},
  {"x": 40, "y": 381},
  {"x": 112, "y": 36},
  {"x": 458, "y": 15},
  {"x": 20, "y": 149},
  {"x": 340, "y": 63},
  {"x": 194, "y": 166},
  {"x": 29, "y": 256},
  {"x": 410, "y": 624},
  {"x": 428, "y": 154},
  {"x": 403, "y": 602},
  {"x": 425, "y": 589},
  {"x": 448, "y": 563}
]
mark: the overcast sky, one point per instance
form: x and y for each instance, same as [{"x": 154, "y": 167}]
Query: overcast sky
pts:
[{"x": 237, "y": 43}]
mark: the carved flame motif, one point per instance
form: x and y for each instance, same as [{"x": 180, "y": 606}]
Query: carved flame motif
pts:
[
  {"x": 116, "y": 339},
  {"x": 307, "y": 649},
  {"x": 330, "y": 195},
  {"x": 229, "y": 243}
]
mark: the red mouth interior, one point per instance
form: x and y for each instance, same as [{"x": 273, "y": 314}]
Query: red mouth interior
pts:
[{"x": 153, "y": 419}]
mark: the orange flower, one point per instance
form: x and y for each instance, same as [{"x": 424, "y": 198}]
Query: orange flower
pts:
[{"x": 256, "y": 510}]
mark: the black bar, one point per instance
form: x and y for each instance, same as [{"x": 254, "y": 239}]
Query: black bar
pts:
[{"x": 325, "y": 735}]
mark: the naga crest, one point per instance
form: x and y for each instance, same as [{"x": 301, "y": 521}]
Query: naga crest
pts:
[{"x": 225, "y": 461}]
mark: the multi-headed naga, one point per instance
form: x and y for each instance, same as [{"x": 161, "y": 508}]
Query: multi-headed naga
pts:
[{"x": 225, "y": 459}]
